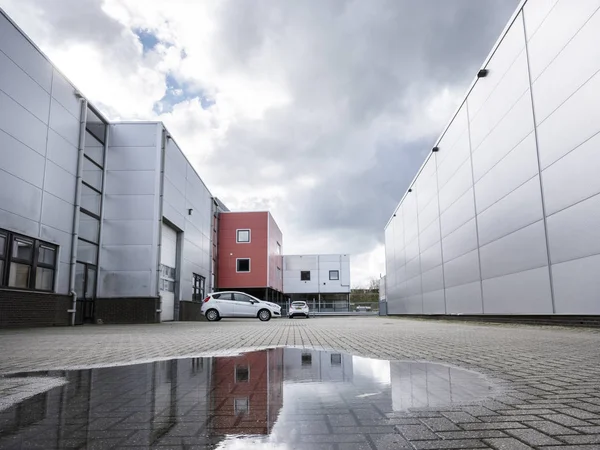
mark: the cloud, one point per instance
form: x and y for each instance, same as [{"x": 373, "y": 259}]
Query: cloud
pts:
[{"x": 319, "y": 111}]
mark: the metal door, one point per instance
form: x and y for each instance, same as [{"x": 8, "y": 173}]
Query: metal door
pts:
[{"x": 85, "y": 287}]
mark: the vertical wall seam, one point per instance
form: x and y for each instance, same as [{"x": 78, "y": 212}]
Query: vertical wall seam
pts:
[
  {"x": 437, "y": 183},
  {"x": 416, "y": 191},
  {"x": 46, "y": 164},
  {"x": 539, "y": 164},
  {"x": 475, "y": 205}
]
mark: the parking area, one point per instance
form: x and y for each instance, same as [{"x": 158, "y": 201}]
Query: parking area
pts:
[{"x": 549, "y": 376}]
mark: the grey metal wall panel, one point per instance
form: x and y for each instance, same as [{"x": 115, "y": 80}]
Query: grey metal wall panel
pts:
[
  {"x": 460, "y": 183},
  {"x": 19, "y": 197},
  {"x": 577, "y": 120},
  {"x": 575, "y": 232},
  {"x": 63, "y": 279},
  {"x": 434, "y": 302},
  {"x": 525, "y": 292},
  {"x": 134, "y": 135},
  {"x": 457, "y": 155},
  {"x": 522, "y": 250},
  {"x": 23, "y": 89},
  {"x": 61, "y": 238},
  {"x": 59, "y": 182},
  {"x": 29, "y": 166},
  {"x": 127, "y": 283},
  {"x": 519, "y": 166},
  {"x": 127, "y": 257},
  {"x": 173, "y": 216},
  {"x": 64, "y": 123},
  {"x": 17, "y": 223},
  {"x": 412, "y": 249},
  {"x": 513, "y": 85},
  {"x": 397, "y": 306},
  {"x": 535, "y": 12},
  {"x": 448, "y": 142},
  {"x": 459, "y": 213},
  {"x": 576, "y": 286},
  {"x": 464, "y": 299},
  {"x": 431, "y": 258},
  {"x": 64, "y": 93},
  {"x": 132, "y": 158},
  {"x": 426, "y": 185},
  {"x": 131, "y": 182},
  {"x": 413, "y": 268},
  {"x": 557, "y": 31},
  {"x": 410, "y": 218},
  {"x": 462, "y": 270},
  {"x": 573, "y": 178},
  {"x": 433, "y": 280},
  {"x": 57, "y": 213},
  {"x": 520, "y": 208},
  {"x": 26, "y": 56},
  {"x": 414, "y": 304},
  {"x": 61, "y": 152},
  {"x": 130, "y": 207},
  {"x": 430, "y": 235},
  {"x": 460, "y": 241},
  {"x": 132, "y": 232},
  {"x": 174, "y": 196},
  {"x": 429, "y": 214},
  {"x": 22, "y": 125}
]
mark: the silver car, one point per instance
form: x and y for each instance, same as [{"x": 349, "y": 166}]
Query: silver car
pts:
[{"x": 237, "y": 304}]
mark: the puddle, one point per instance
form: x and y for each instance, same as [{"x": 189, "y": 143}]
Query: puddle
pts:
[{"x": 279, "y": 399}]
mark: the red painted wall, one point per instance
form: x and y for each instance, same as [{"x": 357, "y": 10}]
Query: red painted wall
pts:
[{"x": 229, "y": 250}]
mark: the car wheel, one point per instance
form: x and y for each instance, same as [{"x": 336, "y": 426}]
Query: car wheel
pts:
[
  {"x": 307, "y": 316},
  {"x": 212, "y": 315},
  {"x": 264, "y": 315}
]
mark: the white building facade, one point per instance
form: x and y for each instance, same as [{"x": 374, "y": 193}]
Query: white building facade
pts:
[{"x": 503, "y": 216}]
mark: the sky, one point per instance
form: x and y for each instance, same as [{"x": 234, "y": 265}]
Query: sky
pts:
[{"x": 319, "y": 111}]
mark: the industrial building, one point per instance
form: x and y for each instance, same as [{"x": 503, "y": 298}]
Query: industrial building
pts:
[{"x": 503, "y": 216}]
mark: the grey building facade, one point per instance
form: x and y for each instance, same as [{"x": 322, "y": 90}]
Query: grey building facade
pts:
[
  {"x": 503, "y": 217},
  {"x": 99, "y": 221}
]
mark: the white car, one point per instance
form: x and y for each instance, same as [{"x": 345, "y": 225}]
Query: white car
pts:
[
  {"x": 237, "y": 304},
  {"x": 298, "y": 309}
]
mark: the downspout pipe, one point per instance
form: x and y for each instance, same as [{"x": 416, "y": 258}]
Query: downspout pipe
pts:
[{"x": 80, "y": 149}]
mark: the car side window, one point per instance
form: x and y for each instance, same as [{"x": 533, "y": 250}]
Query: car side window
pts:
[
  {"x": 226, "y": 296},
  {"x": 241, "y": 298}
]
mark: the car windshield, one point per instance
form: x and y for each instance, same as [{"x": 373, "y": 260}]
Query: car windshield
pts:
[{"x": 298, "y": 304}]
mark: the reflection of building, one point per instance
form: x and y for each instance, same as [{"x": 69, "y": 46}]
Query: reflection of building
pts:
[
  {"x": 246, "y": 393},
  {"x": 315, "y": 365},
  {"x": 323, "y": 281}
]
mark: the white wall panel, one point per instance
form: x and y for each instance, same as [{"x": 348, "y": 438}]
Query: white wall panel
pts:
[
  {"x": 520, "y": 208},
  {"x": 64, "y": 93},
  {"x": 22, "y": 125},
  {"x": 59, "y": 182},
  {"x": 426, "y": 185},
  {"x": 462, "y": 270},
  {"x": 577, "y": 286},
  {"x": 449, "y": 146},
  {"x": 433, "y": 280},
  {"x": 132, "y": 158},
  {"x": 131, "y": 182},
  {"x": 57, "y": 213},
  {"x": 61, "y": 152},
  {"x": 414, "y": 304},
  {"x": 26, "y": 204},
  {"x": 29, "y": 166},
  {"x": 516, "y": 168},
  {"x": 173, "y": 216},
  {"x": 23, "y": 89},
  {"x": 428, "y": 214},
  {"x": 459, "y": 153},
  {"x": 134, "y": 135},
  {"x": 459, "y": 213},
  {"x": 464, "y": 299},
  {"x": 135, "y": 207},
  {"x": 19, "y": 224},
  {"x": 127, "y": 284},
  {"x": 575, "y": 232},
  {"x": 410, "y": 218},
  {"x": 522, "y": 250},
  {"x": 434, "y": 302},
  {"x": 577, "y": 120},
  {"x": 413, "y": 268},
  {"x": 132, "y": 232},
  {"x": 535, "y": 12},
  {"x": 128, "y": 257},
  {"x": 573, "y": 178},
  {"x": 460, "y": 241},
  {"x": 525, "y": 292},
  {"x": 430, "y": 235},
  {"x": 64, "y": 123},
  {"x": 431, "y": 258},
  {"x": 460, "y": 183}
]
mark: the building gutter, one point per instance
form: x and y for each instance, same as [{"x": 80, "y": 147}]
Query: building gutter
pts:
[{"x": 74, "y": 237}]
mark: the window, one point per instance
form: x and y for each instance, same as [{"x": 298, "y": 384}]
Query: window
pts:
[
  {"x": 26, "y": 263},
  {"x": 242, "y": 374},
  {"x": 239, "y": 297},
  {"x": 241, "y": 405},
  {"x": 278, "y": 248},
  {"x": 198, "y": 287},
  {"x": 336, "y": 359},
  {"x": 243, "y": 265},
  {"x": 306, "y": 359},
  {"x": 305, "y": 275},
  {"x": 167, "y": 278},
  {"x": 334, "y": 274},
  {"x": 243, "y": 236}
]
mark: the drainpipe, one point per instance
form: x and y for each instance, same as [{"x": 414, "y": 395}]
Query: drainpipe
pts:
[
  {"x": 163, "y": 148},
  {"x": 75, "y": 235}
]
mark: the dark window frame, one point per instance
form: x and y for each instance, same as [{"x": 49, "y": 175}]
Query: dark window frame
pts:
[
  {"x": 198, "y": 287},
  {"x": 237, "y": 265},
  {"x": 305, "y": 275},
  {"x": 337, "y": 272},
  {"x": 33, "y": 262}
]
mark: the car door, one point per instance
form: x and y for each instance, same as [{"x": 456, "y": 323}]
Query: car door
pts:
[
  {"x": 224, "y": 302},
  {"x": 243, "y": 305}
]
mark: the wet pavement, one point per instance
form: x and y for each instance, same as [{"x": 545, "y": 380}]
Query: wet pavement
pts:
[{"x": 282, "y": 398}]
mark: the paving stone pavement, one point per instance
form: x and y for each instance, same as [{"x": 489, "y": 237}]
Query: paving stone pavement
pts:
[{"x": 549, "y": 376}]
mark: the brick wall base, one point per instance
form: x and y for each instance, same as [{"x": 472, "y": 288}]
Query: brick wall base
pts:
[
  {"x": 190, "y": 312},
  {"x": 126, "y": 310},
  {"x": 33, "y": 309},
  {"x": 560, "y": 320}
]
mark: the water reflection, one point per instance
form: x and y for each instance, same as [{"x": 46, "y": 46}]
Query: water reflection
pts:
[{"x": 277, "y": 399}]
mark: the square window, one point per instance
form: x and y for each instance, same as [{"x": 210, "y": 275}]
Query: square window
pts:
[
  {"x": 334, "y": 274},
  {"x": 19, "y": 275},
  {"x": 306, "y": 359},
  {"x": 22, "y": 249},
  {"x": 46, "y": 255},
  {"x": 242, "y": 374},
  {"x": 278, "y": 248},
  {"x": 2, "y": 244},
  {"x": 336, "y": 359},
  {"x": 243, "y": 235},
  {"x": 241, "y": 405},
  {"x": 44, "y": 279},
  {"x": 305, "y": 275},
  {"x": 243, "y": 265}
]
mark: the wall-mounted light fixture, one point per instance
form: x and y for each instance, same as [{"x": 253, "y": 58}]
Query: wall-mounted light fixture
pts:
[
  {"x": 410, "y": 190},
  {"x": 394, "y": 215},
  {"x": 435, "y": 149},
  {"x": 190, "y": 211},
  {"x": 482, "y": 73}
]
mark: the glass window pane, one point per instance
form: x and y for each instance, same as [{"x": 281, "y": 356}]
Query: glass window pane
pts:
[
  {"x": 87, "y": 252},
  {"x": 95, "y": 125},
  {"x": 44, "y": 279},
  {"x": 22, "y": 249},
  {"x": 1, "y": 272},
  {"x": 88, "y": 227},
  {"x": 90, "y": 199},
  {"x": 90, "y": 291},
  {"x": 243, "y": 265},
  {"x": 79, "y": 279},
  {"x": 242, "y": 374},
  {"x": 19, "y": 275},
  {"x": 334, "y": 275},
  {"x": 94, "y": 148},
  {"x": 2, "y": 244},
  {"x": 92, "y": 174},
  {"x": 243, "y": 235},
  {"x": 47, "y": 255}
]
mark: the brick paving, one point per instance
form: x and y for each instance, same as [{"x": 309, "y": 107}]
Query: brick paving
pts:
[{"x": 549, "y": 377}]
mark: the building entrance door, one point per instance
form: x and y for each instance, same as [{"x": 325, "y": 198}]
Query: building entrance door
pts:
[{"x": 85, "y": 287}]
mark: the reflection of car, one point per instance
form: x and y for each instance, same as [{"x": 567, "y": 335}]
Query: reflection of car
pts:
[
  {"x": 363, "y": 308},
  {"x": 237, "y": 304},
  {"x": 298, "y": 309}
]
